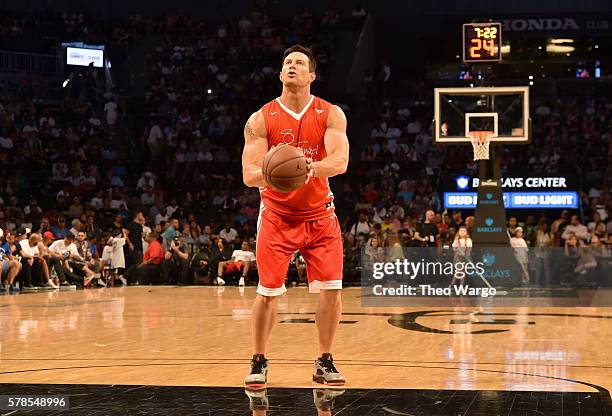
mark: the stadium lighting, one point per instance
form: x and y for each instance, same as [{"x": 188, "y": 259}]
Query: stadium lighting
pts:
[
  {"x": 457, "y": 56},
  {"x": 530, "y": 82},
  {"x": 556, "y": 48},
  {"x": 540, "y": 47},
  {"x": 65, "y": 83},
  {"x": 209, "y": 91},
  {"x": 530, "y": 76},
  {"x": 596, "y": 46}
]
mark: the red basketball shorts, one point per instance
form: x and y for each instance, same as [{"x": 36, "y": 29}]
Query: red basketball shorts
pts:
[
  {"x": 234, "y": 266},
  {"x": 319, "y": 242}
]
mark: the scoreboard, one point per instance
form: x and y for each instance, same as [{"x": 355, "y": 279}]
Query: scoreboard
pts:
[{"x": 482, "y": 42}]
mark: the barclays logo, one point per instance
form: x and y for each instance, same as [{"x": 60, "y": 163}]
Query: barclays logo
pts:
[
  {"x": 488, "y": 229},
  {"x": 488, "y": 200},
  {"x": 463, "y": 182},
  {"x": 488, "y": 259}
]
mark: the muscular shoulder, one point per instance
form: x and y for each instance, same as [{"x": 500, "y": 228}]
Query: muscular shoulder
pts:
[
  {"x": 255, "y": 125},
  {"x": 336, "y": 118}
]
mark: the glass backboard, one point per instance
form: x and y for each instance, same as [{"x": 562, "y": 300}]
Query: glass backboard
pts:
[{"x": 501, "y": 110}]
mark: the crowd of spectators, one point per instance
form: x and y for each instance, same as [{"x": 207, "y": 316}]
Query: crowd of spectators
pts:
[
  {"x": 177, "y": 212},
  {"x": 64, "y": 176}
]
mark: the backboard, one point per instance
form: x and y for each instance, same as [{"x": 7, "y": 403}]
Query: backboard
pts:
[{"x": 502, "y": 110}]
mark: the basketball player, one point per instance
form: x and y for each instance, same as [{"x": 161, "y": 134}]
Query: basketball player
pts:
[{"x": 300, "y": 220}]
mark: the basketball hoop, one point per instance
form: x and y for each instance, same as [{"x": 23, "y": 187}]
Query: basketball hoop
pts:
[{"x": 480, "y": 140}]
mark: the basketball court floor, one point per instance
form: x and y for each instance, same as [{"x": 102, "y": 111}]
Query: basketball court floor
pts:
[{"x": 186, "y": 350}]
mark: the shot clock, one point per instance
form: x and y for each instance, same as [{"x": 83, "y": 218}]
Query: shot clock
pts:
[{"x": 482, "y": 42}]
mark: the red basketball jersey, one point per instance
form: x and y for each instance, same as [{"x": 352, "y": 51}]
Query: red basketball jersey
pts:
[{"x": 306, "y": 130}]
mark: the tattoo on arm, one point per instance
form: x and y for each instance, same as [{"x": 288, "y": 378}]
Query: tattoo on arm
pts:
[{"x": 249, "y": 129}]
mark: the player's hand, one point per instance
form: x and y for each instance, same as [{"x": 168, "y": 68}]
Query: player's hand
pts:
[{"x": 311, "y": 169}]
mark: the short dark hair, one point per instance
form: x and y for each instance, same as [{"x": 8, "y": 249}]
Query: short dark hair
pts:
[{"x": 312, "y": 62}]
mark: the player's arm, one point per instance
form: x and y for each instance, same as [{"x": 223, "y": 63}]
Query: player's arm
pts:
[
  {"x": 255, "y": 149},
  {"x": 336, "y": 147}
]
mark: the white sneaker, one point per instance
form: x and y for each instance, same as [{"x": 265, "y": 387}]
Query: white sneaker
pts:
[
  {"x": 123, "y": 281},
  {"x": 51, "y": 284},
  {"x": 241, "y": 281},
  {"x": 220, "y": 281}
]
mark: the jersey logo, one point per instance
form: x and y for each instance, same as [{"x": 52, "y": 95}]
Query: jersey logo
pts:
[
  {"x": 273, "y": 113},
  {"x": 287, "y": 136},
  {"x": 319, "y": 111}
]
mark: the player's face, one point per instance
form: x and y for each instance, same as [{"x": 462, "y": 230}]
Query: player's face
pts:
[{"x": 296, "y": 70}]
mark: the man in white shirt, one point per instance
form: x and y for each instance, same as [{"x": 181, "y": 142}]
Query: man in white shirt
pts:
[
  {"x": 65, "y": 248},
  {"x": 241, "y": 261},
  {"x": 110, "y": 108},
  {"x": 362, "y": 226},
  {"x": 68, "y": 250},
  {"x": 34, "y": 265},
  {"x": 228, "y": 234},
  {"x": 580, "y": 231},
  {"x": 155, "y": 140},
  {"x": 58, "y": 253}
]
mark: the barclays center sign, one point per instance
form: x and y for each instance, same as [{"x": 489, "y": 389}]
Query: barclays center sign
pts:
[{"x": 552, "y": 24}]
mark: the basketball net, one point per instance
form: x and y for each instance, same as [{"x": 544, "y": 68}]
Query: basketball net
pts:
[{"x": 480, "y": 143}]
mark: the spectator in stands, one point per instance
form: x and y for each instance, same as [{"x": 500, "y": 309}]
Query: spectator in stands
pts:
[
  {"x": 10, "y": 266},
  {"x": 220, "y": 253},
  {"x": 66, "y": 249},
  {"x": 462, "y": 249},
  {"x": 149, "y": 271},
  {"x": 558, "y": 226},
  {"x": 456, "y": 221},
  {"x": 427, "y": 233},
  {"x": 36, "y": 272},
  {"x": 241, "y": 261},
  {"x": 134, "y": 235},
  {"x": 175, "y": 267},
  {"x": 576, "y": 228},
  {"x": 228, "y": 233},
  {"x": 58, "y": 254},
  {"x": 60, "y": 230},
  {"x": 200, "y": 264},
  {"x": 469, "y": 224},
  {"x": 511, "y": 227},
  {"x": 543, "y": 254},
  {"x": 361, "y": 226},
  {"x": 374, "y": 252},
  {"x": 110, "y": 108},
  {"x": 521, "y": 252},
  {"x": 44, "y": 227},
  {"x": 170, "y": 232}
]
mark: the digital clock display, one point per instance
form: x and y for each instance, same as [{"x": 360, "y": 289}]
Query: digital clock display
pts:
[{"x": 481, "y": 42}]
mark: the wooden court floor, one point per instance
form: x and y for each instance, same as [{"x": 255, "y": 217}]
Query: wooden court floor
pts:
[{"x": 199, "y": 336}]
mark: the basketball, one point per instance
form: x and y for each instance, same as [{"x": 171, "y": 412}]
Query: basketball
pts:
[{"x": 284, "y": 168}]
